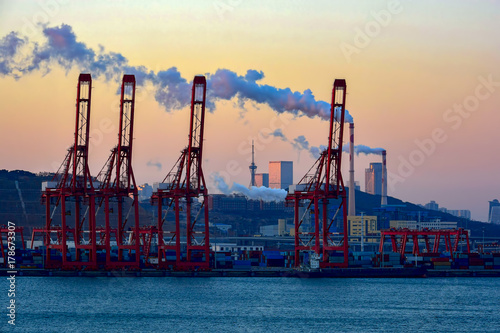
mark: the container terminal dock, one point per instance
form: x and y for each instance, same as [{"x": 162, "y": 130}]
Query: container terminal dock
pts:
[
  {"x": 236, "y": 261},
  {"x": 92, "y": 225}
]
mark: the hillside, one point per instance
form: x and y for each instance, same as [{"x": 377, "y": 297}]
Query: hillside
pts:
[
  {"x": 369, "y": 203},
  {"x": 20, "y": 200},
  {"x": 18, "y": 188}
]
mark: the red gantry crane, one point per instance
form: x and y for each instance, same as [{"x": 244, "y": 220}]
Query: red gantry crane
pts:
[
  {"x": 184, "y": 183},
  {"x": 6, "y": 252},
  {"x": 400, "y": 238},
  {"x": 324, "y": 183},
  {"x": 117, "y": 186},
  {"x": 71, "y": 190}
]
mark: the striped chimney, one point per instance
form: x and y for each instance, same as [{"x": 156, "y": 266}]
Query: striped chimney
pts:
[
  {"x": 384, "y": 178},
  {"x": 352, "y": 192}
]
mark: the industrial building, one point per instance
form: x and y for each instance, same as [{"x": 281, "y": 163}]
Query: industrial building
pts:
[
  {"x": 280, "y": 229},
  {"x": 415, "y": 225},
  {"x": 373, "y": 179},
  {"x": 280, "y": 174},
  {"x": 365, "y": 227}
]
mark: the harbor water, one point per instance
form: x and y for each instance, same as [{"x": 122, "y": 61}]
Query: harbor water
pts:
[{"x": 80, "y": 304}]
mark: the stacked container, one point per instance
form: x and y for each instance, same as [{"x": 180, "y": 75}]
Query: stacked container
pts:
[{"x": 441, "y": 263}]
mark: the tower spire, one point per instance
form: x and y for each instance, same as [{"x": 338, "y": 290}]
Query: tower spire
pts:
[{"x": 252, "y": 168}]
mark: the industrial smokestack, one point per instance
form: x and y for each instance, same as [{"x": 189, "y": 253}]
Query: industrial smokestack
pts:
[
  {"x": 384, "y": 178},
  {"x": 352, "y": 191}
]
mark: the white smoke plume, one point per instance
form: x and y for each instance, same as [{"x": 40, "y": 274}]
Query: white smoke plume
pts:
[
  {"x": 278, "y": 133},
  {"x": 358, "y": 149},
  {"x": 300, "y": 143},
  {"x": 157, "y": 165},
  {"x": 20, "y": 56},
  {"x": 255, "y": 193},
  {"x": 316, "y": 151},
  {"x": 362, "y": 149}
]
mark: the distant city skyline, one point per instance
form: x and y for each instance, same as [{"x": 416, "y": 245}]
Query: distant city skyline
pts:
[{"x": 422, "y": 82}]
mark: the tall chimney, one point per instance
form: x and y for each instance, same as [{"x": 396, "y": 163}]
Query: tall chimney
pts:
[
  {"x": 352, "y": 191},
  {"x": 384, "y": 178}
]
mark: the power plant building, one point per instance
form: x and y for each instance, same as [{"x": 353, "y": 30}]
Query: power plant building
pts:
[
  {"x": 373, "y": 179},
  {"x": 280, "y": 174}
]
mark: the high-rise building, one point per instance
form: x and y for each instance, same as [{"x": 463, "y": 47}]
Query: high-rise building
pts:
[
  {"x": 357, "y": 187},
  {"x": 494, "y": 212},
  {"x": 262, "y": 179},
  {"x": 465, "y": 213},
  {"x": 495, "y": 215},
  {"x": 373, "y": 179},
  {"x": 433, "y": 205},
  {"x": 280, "y": 174}
]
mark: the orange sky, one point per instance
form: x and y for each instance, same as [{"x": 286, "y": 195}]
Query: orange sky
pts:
[{"x": 419, "y": 59}]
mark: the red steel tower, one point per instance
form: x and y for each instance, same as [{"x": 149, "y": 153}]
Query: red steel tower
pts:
[
  {"x": 184, "y": 183},
  {"x": 324, "y": 183},
  {"x": 70, "y": 191},
  {"x": 117, "y": 187}
]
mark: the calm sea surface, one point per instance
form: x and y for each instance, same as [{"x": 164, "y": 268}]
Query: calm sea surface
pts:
[{"x": 52, "y": 304}]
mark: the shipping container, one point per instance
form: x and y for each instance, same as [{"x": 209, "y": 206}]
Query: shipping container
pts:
[{"x": 471, "y": 267}]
